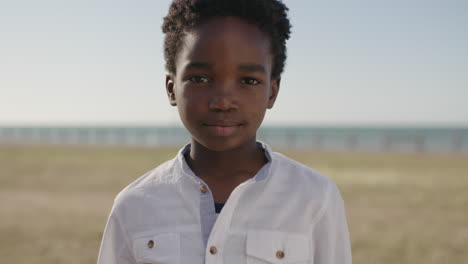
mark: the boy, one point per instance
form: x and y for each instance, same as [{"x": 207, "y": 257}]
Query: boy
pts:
[{"x": 226, "y": 198}]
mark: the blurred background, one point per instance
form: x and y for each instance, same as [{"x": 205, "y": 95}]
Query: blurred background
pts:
[{"x": 373, "y": 96}]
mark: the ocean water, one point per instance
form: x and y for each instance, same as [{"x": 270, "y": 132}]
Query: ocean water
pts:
[{"x": 402, "y": 139}]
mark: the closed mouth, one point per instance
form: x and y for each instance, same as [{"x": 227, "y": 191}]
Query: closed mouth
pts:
[
  {"x": 223, "y": 124},
  {"x": 223, "y": 129}
]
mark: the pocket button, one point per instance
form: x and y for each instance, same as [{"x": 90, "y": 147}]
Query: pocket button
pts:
[
  {"x": 213, "y": 250},
  {"x": 280, "y": 254},
  {"x": 150, "y": 244}
]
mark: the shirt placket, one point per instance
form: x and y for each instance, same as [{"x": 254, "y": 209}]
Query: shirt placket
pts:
[
  {"x": 207, "y": 211},
  {"x": 217, "y": 239}
]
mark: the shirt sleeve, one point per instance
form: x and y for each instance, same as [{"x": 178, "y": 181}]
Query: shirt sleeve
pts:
[
  {"x": 114, "y": 246},
  {"x": 331, "y": 235}
]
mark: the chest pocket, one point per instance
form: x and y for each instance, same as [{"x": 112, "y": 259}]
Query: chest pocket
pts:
[
  {"x": 162, "y": 248},
  {"x": 277, "y": 247}
]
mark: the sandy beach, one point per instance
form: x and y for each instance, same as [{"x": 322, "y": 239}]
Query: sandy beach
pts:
[{"x": 402, "y": 208}]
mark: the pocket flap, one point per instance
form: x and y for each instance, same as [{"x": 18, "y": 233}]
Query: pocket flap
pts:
[
  {"x": 157, "y": 248},
  {"x": 277, "y": 247}
]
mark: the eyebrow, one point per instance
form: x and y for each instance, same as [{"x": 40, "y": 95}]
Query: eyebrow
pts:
[
  {"x": 252, "y": 68},
  {"x": 198, "y": 65},
  {"x": 208, "y": 66}
]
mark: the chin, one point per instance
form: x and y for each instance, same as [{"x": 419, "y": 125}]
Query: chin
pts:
[{"x": 223, "y": 144}]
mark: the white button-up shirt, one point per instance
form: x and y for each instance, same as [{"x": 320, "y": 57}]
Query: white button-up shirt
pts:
[{"x": 287, "y": 213}]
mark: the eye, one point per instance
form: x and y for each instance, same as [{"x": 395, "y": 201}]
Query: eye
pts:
[
  {"x": 250, "y": 81},
  {"x": 198, "y": 79}
]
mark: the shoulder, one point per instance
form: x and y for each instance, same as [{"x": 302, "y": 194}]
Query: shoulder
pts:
[{"x": 302, "y": 178}]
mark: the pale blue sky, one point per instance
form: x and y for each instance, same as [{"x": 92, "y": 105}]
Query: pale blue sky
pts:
[{"x": 372, "y": 62}]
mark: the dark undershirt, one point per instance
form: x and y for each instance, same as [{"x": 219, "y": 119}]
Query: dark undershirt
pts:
[{"x": 218, "y": 207}]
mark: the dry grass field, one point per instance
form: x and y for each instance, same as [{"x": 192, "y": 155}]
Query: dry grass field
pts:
[{"x": 402, "y": 208}]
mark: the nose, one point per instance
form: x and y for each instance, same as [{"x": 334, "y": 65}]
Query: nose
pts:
[
  {"x": 222, "y": 103},
  {"x": 223, "y": 98}
]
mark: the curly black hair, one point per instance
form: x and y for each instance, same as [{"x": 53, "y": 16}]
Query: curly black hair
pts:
[{"x": 270, "y": 16}]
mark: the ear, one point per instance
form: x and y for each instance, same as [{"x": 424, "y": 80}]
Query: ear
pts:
[
  {"x": 170, "y": 89},
  {"x": 274, "y": 89}
]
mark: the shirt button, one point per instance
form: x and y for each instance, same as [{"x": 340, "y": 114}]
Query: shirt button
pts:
[
  {"x": 150, "y": 244},
  {"x": 213, "y": 250},
  {"x": 203, "y": 188},
  {"x": 280, "y": 254}
]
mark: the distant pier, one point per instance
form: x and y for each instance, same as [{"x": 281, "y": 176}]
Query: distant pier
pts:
[{"x": 419, "y": 140}]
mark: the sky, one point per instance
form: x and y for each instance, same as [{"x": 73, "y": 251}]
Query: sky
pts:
[{"x": 367, "y": 62}]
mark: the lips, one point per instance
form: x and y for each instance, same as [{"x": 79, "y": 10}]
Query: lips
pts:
[{"x": 223, "y": 128}]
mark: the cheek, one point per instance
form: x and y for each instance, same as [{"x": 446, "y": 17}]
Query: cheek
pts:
[
  {"x": 258, "y": 98},
  {"x": 257, "y": 106},
  {"x": 189, "y": 103},
  {"x": 185, "y": 95}
]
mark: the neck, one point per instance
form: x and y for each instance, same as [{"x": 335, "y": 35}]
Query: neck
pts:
[{"x": 206, "y": 163}]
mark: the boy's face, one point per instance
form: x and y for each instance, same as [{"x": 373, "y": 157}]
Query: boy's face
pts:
[{"x": 223, "y": 83}]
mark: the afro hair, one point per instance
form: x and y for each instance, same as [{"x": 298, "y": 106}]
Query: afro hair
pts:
[{"x": 270, "y": 16}]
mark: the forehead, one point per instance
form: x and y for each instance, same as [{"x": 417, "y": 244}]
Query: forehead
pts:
[{"x": 225, "y": 40}]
